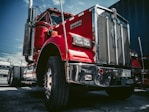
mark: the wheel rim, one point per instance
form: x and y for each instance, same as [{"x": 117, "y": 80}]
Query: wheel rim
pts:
[{"x": 48, "y": 83}]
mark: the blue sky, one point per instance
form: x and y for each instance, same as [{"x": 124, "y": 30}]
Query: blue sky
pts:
[{"x": 13, "y": 14}]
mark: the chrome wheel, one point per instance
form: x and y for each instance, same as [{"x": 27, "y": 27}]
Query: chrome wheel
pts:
[{"x": 48, "y": 83}]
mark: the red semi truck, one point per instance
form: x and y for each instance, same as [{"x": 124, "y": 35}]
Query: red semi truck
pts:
[{"x": 89, "y": 49}]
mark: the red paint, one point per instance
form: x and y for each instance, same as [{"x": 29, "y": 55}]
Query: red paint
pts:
[
  {"x": 75, "y": 53},
  {"x": 136, "y": 63},
  {"x": 41, "y": 29}
]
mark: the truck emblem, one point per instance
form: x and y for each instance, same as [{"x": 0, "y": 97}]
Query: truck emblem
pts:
[{"x": 76, "y": 24}]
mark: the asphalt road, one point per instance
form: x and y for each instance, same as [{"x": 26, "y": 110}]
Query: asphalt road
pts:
[{"x": 31, "y": 99}]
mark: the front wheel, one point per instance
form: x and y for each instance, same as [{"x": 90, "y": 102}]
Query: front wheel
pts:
[
  {"x": 120, "y": 92},
  {"x": 55, "y": 85}
]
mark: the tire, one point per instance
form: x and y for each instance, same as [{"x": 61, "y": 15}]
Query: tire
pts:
[
  {"x": 14, "y": 78},
  {"x": 8, "y": 78},
  {"x": 120, "y": 92},
  {"x": 55, "y": 85}
]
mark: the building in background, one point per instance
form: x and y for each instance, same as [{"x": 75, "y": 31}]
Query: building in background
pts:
[{"x": 137, "y": 13}]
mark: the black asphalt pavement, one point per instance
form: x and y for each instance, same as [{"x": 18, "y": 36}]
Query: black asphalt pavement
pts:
[{"x": 31, "y": 99}]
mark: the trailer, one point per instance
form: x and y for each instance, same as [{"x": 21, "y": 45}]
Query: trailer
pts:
[{"x": 22, "y": 75}]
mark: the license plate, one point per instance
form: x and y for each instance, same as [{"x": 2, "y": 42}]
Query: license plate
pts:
[{"x": 126, "y": 73}]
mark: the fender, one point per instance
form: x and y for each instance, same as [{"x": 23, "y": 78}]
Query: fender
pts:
[
  {"x": 54, "y": 46},
  {"x": 59, "y": 43}
]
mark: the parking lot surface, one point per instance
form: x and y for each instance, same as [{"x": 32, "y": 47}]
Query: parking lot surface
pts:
[{"x": 31, "y": 99}]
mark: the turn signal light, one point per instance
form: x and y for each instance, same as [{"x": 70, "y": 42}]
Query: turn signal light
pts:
[{"x": 54, "y": 33}]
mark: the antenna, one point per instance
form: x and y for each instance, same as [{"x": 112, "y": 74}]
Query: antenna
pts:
[
  {"x": 65, "y": 37},
  {"x": 64, "y": 30}
]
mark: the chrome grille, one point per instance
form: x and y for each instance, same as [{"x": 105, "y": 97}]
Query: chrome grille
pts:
[{"x": 113, "y": 44}]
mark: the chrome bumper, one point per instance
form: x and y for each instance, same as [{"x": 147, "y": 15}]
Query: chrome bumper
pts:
[{"x": 92, "y": 75}]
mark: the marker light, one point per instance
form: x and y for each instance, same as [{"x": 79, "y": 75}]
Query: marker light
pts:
[{"x": 54, "y": 33}]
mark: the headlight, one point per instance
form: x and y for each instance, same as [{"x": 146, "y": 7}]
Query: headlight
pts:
[{"x": 81, "y": 41}]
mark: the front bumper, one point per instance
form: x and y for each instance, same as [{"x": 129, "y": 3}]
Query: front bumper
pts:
[{"x": 92, "y": 75}]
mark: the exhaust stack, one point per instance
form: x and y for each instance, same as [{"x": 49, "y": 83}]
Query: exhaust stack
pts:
[
  {"x": 28, "y": 39},
  {"x": 30, "y": 11}
]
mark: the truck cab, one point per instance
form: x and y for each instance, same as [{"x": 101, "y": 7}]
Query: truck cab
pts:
[{"x": 44, "y": 27}]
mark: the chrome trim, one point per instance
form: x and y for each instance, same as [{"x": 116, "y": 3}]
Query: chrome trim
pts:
[
  {"x": 80, "y": 14},
  {"x": 128, "y": 28},
  {"x": 80, "y": 70},
  {"x": 94, "y": 32},
  {"x": 77, "y": 72},
  {"x": 72, "y": 18},
  {"x": 116, "y": 47},
  {"x": 108, "y": 41},
  {"x": 30, "y": 3},
  {"x": 67, "y": 74},
  {"x": 122, "y": 44},
  {"x": 96, "y": 35}
]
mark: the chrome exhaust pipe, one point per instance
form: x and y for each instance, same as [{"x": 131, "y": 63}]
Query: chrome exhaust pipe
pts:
[
  {"x": 30, "y": 3},
  {"x": 30, "y": 11},
  {"x": 28, "y": 39}
]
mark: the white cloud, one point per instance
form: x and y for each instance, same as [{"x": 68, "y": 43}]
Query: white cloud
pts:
[
  {"x": 70, "y": 6},
  {"x": 18, "y": 39},
  {"x": 26, "y": 1},
  {"x": 57, "y": 2},
  {"x": 20, "y": 46},
  {"x": 15, "y": 59},
  {"x": 44, "y": 5},
  {"x": 81, "y": 3}
]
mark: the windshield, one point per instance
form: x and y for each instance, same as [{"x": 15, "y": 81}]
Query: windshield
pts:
[{"x": 55, "y": 19}]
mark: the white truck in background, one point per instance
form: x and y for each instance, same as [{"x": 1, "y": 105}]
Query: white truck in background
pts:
[{"x": 4, "y": 68}]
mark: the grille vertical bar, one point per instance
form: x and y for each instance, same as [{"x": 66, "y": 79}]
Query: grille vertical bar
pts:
[
  {"x": 122, "y": 35},
  {"x": 116, "y": 44},
  {"x": 108, "y": 41}
]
